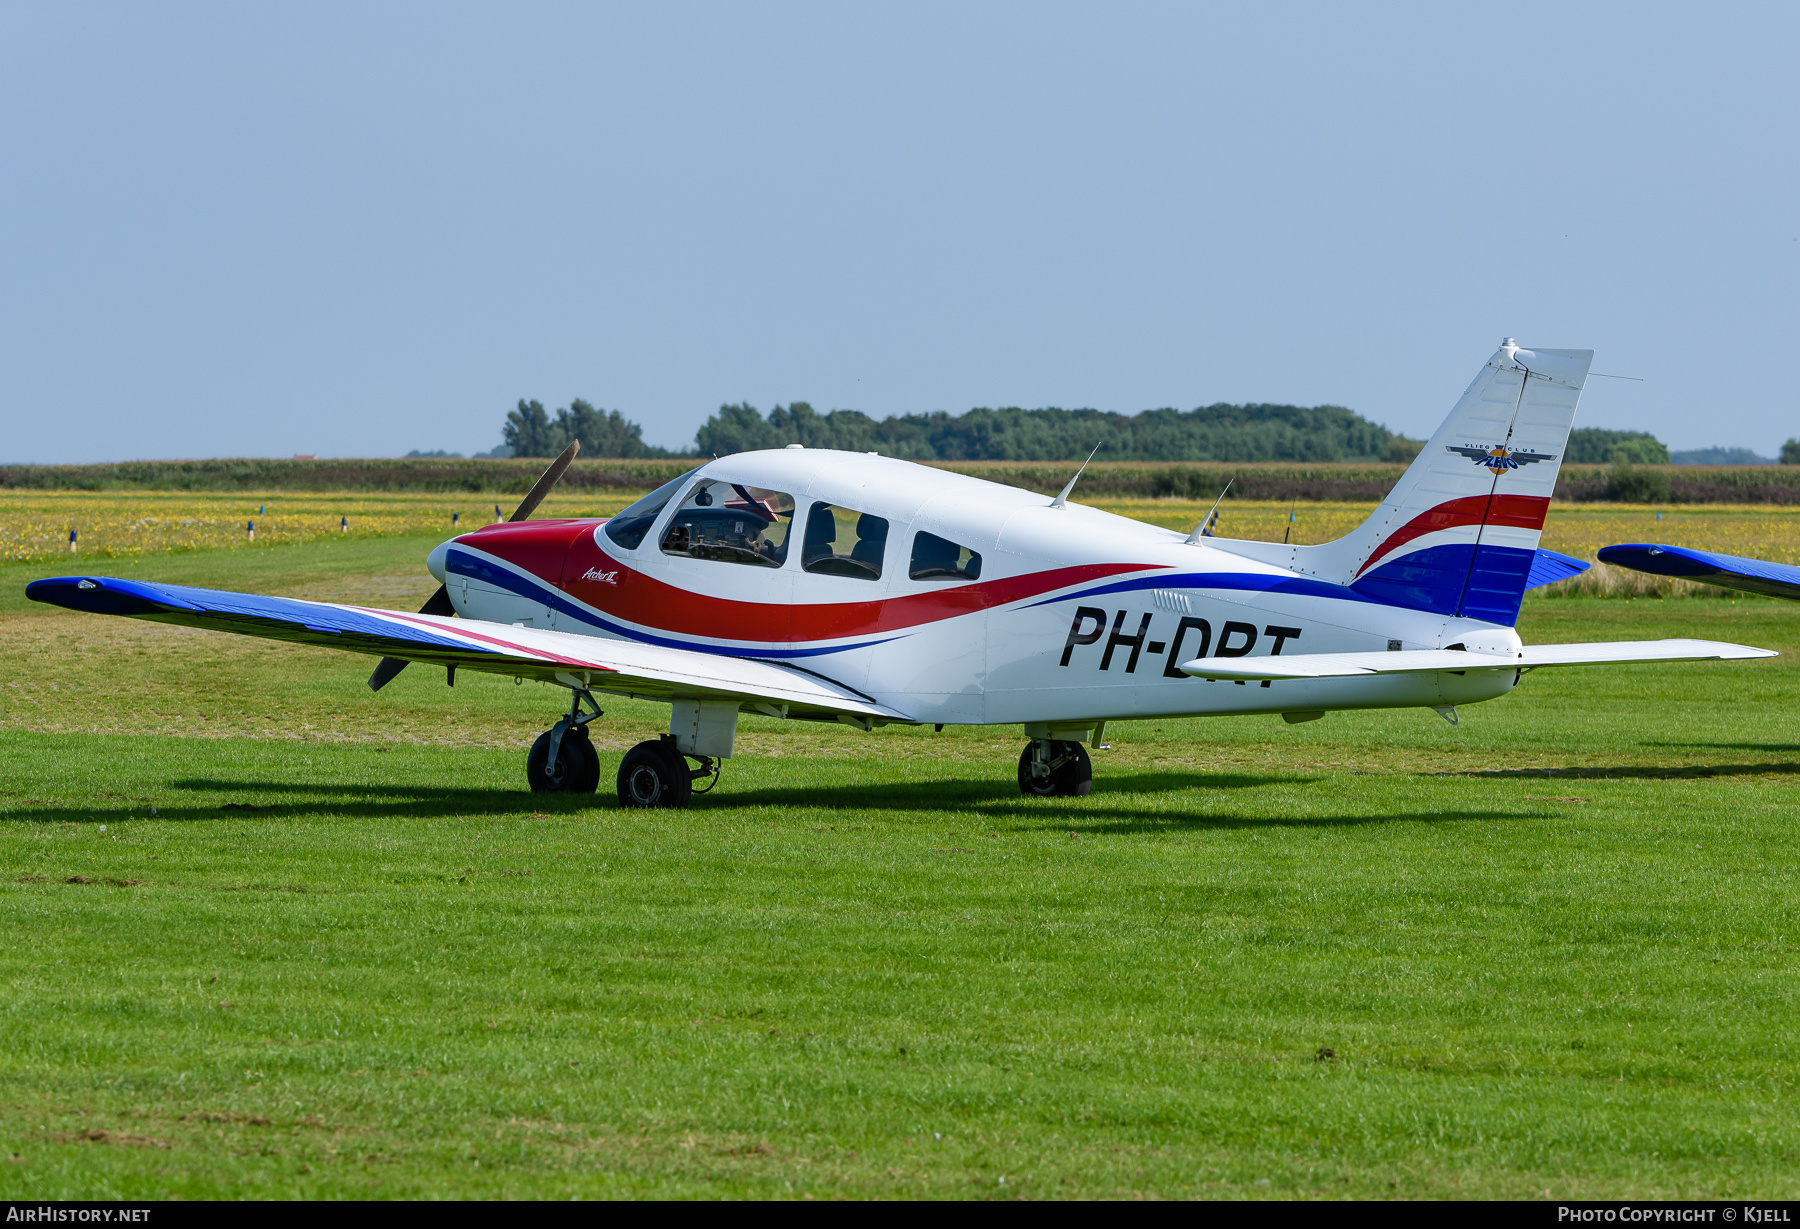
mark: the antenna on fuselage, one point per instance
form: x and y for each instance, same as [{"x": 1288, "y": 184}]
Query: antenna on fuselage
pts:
[
  {"x": 1193, "y": 539},
  {"x": 1062, "y": 501}
]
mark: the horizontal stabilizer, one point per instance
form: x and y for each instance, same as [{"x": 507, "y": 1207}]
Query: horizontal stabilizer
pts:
[
  {"x": 1427, "y": 661},
  {"x": 1548, "y": 567},
  {"x": 1707, "y": 567},
  {"x": 621, "y": 667}
]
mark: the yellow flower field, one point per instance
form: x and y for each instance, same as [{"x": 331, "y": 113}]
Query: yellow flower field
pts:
[{"x": 35, "y": 525}]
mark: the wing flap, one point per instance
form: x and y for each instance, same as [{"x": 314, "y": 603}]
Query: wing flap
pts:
[
  {"x": 617, "y": 666},
  {"x": 1428, "y": 661}
]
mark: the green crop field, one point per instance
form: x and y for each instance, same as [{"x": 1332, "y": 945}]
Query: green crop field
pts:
[{"x": 268, "y": 934}]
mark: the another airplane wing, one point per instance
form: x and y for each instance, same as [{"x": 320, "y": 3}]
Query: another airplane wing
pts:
[
  {"x": 1426, "y": 661},
  {"x": 1726, "y": 571},
  {"x": 617, "y": 666}
]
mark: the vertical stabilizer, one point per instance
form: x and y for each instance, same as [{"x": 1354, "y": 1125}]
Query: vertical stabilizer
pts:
[{"x": 1457, "y": 535}]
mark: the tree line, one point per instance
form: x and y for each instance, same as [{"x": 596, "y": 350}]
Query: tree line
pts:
[{"x": 1222, "y": 432}]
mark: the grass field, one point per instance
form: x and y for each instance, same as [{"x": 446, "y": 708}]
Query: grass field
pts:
[{"x": 270, "y": 934}]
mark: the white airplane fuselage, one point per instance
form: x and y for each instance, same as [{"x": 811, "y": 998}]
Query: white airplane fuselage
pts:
[{"x": 1076, "y": 615}]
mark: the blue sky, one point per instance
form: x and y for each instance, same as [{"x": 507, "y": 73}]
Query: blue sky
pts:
[{"x": 359, "y": 229}]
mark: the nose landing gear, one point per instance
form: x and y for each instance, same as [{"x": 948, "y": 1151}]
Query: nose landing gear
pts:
[
  {"x": 1050, "y": 768},
  {"x": 563, "y": 759},
  {"x": 655, "y": 774}
]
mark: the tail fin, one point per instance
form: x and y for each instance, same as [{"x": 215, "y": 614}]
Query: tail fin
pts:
[{"x": 1458, "y": 533}]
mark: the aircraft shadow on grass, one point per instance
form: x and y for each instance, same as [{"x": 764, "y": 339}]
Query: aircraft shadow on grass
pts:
[
  {"x": 1107, "y": 810},
  {"x": 1634, "y": 772},
  {"x": 1731, "y": 746}
]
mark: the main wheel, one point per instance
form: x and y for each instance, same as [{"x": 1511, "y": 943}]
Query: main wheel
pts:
[
  {"x": 1070, "y": 774},
  {"x": 654, "y": 774},
  {"x": 577, "y": 767}
]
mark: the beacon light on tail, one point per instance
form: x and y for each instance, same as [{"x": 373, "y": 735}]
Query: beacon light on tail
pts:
[{"x": 858, "y": 590}]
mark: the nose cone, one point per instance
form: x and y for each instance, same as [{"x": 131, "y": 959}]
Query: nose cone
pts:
[{"x": 434, "y": 562}]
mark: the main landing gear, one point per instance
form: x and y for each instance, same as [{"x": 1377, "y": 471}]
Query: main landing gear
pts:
[
  {"x": 1050, "y": 768},
  {"x": 656, "y": 774}
]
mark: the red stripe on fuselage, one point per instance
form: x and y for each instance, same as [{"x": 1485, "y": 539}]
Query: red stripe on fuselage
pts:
[
  {"x": 1515, "y": 511},
  {"x": 647, "y": 602}
]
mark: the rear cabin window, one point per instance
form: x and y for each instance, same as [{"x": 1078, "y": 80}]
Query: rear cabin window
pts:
[
  {"x": 935, "y": 558},
  {"x": 629, "y": 527},
  {"x": 726, "y": 522},
  {"x": 844, "y": 542}
]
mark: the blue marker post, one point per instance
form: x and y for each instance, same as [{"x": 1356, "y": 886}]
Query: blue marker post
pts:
[
  {"x": 343, "y": 524},
  {"x": 261, "y": 508},
  {"x": 454, "y": 517},
  {"x": 250, "y": 531},
  {"x": 71, "y": 539},
  {"x": 497, "y": 517}
]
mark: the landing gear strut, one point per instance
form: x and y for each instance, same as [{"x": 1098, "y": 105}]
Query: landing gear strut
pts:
[
  {"x": 563, "y": 759},
  {"x": 656, "y": 774},
  {"x": 1051, "y": 768}
]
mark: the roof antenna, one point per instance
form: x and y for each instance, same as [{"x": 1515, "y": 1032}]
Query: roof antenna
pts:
[
  {"x": 1193, "y": 539},
  {"x": 1062, "y": 501}
]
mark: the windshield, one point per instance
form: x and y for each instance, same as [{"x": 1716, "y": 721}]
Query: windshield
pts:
[
  {"x": 728, "y": 522},
  {"x": 629, "y": 526}
]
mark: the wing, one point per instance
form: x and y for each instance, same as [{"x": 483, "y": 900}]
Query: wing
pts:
[
  {"x": 1726, "y": 571},
  {"x": 1532, "y": 458},
  {"x": 1474, "y": 454},
  {"x": 617, "y": 666},
  {"x": 1425, "y": 661}
]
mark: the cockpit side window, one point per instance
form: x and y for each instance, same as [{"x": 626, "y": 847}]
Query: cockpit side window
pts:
[
  {"x": 844, "y": 542},
  {"x": 935, "y": 558},
  {"x": 727, "y": 522},
  {"x": 628, "y": 527}
]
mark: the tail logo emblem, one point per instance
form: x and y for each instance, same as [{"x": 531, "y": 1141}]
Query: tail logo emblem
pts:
[{"x": 1500, "y": 458}]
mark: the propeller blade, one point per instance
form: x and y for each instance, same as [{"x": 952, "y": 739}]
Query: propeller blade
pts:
[
  {"x": 439, "y": 603},
  {"x": 541, "y": 488},
  {"x": 385, "y": 670}
]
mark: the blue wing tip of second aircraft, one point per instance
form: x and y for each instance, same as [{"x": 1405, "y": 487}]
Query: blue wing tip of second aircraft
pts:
[
  {"x": 1730, "y": 571},
  {"x": 104, "y": 595}
]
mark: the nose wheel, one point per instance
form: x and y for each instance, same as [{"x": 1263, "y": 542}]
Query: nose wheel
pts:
[
  {"x": 1053, "y": 768},
  {"x": 563, "y": 759},
  {"x": 656, "y": 774}
]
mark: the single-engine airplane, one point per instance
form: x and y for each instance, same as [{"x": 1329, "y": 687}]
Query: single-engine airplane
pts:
[{"x": 829, "y": 586}]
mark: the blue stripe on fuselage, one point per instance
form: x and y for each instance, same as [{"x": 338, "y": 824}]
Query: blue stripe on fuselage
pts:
[
  {"x": 1243, "y": 582},
  {"x": 1430, "y": 580}
]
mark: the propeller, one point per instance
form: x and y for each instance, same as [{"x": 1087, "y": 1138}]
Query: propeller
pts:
[{"x": 439, "y": 603}]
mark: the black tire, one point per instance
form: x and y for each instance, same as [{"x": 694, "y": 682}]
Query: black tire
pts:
[
  {"x": 577, "y": 767},
  {"x": 1071, "y": 772},
  {"x": 654, "y": 774}
]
